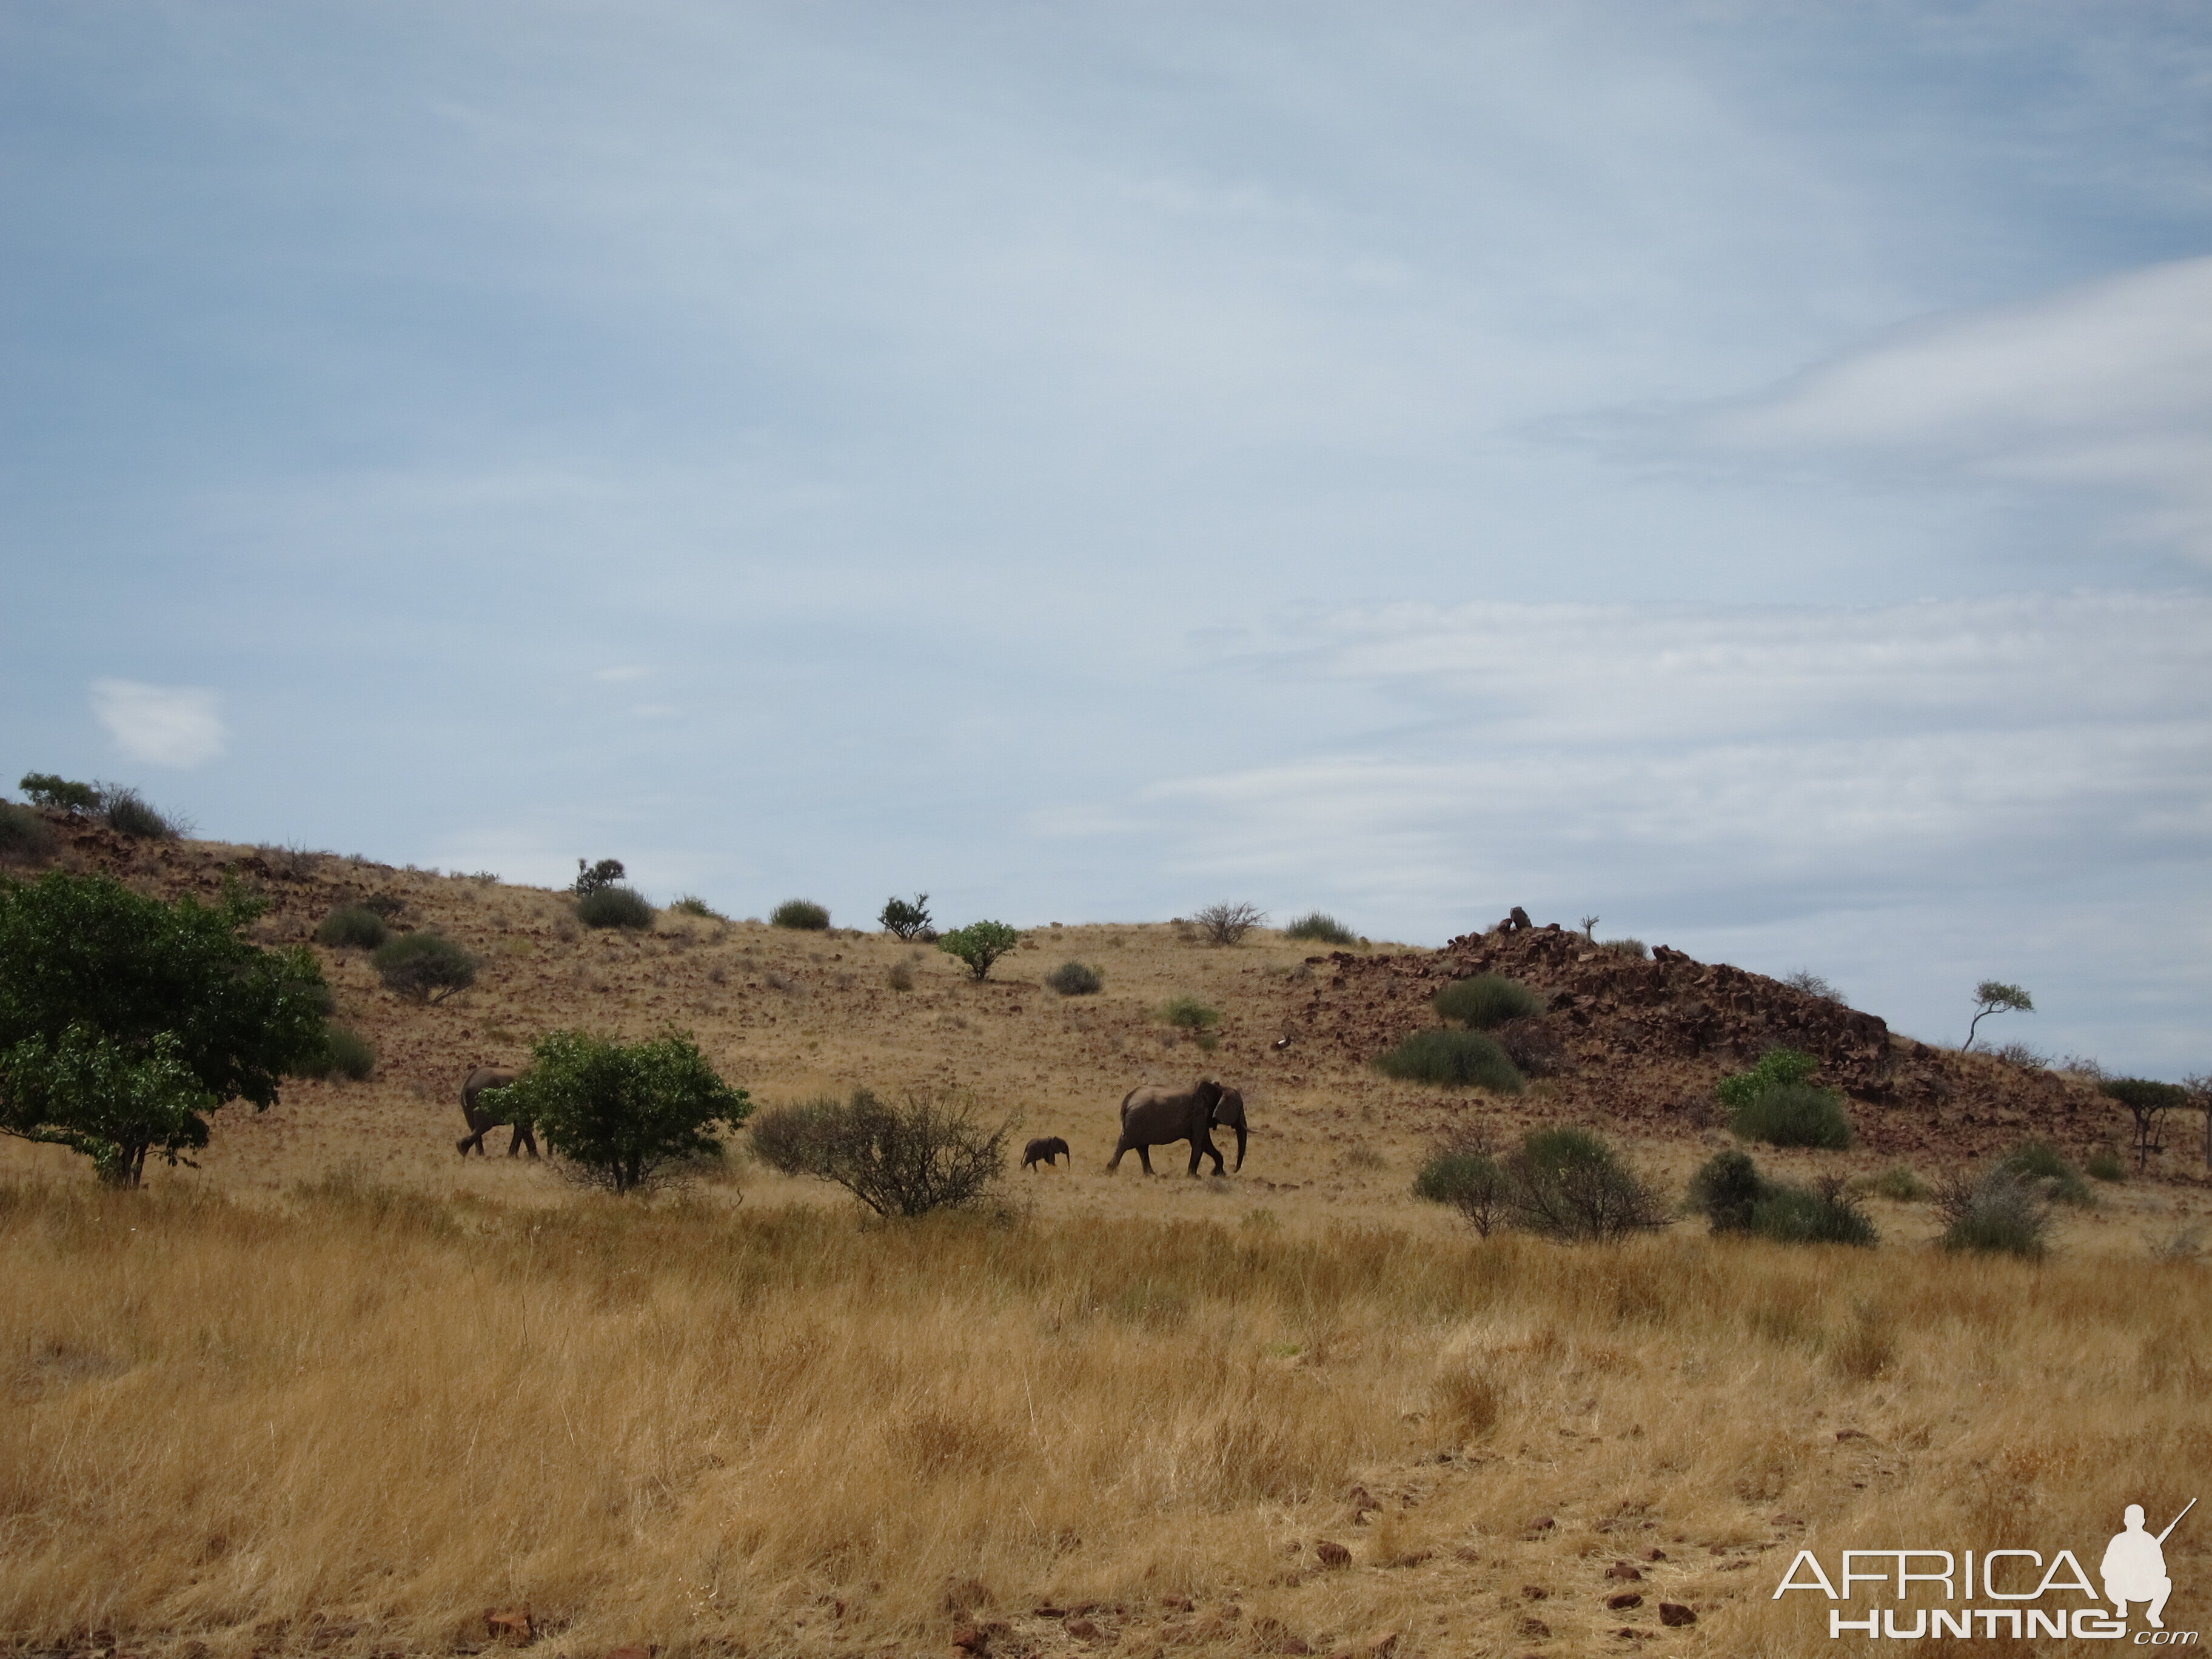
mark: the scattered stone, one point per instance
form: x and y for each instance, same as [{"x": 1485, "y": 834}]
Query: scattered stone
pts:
[
  {"x": 1654, "y": 1553},
  {"x": 1381, "y": 1645},
  {"x": 1627, "y": 1570},
  {"x": 1852, "y": 1434},
  {"x": 1535, "y": 1592},
  {"x": 1082, "y": 1628},
  {"x": 1535, "y": 1628},
  {"x": 1674, "y": 1613},
  {"x": 1542, "y": 1523},
  {"x": 1048, "y": 1613},
  {"x": 510, "y": 1624},
  {"x": 1330, "y": 1553},
  {"x": 1626, "y": 1599}
]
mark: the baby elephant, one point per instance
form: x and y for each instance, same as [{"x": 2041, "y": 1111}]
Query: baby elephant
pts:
[{"x": 1049, "y": 1150}]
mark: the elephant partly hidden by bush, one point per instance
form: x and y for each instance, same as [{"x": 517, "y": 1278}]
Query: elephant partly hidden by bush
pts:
[
  {"x": 1153, "y": 1116},
  {"x": 483, "y": 1119}
]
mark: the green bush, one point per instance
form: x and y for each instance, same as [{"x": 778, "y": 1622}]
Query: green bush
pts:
[
  {"x": 905, "y": 919},
  {"x": 1320, "y": 927},
  {"x": 1487, "y": 999},
  {"x": 129, "y": 813},
  {"x": 2104, "y": 1165},
  {"x": 980, "y": 944},
  {"x": 614, "y": 907},
  {"x": 803, "y": 914},
  {"x": 1189, "y": 1014},
  {"x": 346, "y": 1054},
  {"x": 928, "y": 1152},
  {"x": 1726, "y": 1189},
  {"x": 622, "y": 1114},
  {"x": 1456, "y": 1060},
  {"x": 1825, "y": 1214},
  {"x": 1775, "y": 1067},
  {"x": 2040, "y": 1161},
  {"x": 62, "y": 795},
  {"x": 2000, "y": 1213},
  {"x": 1626, "y": 947},
  {"x": 1793, "y": 1114},
  {"x": 24, "y": 837},
  {"x": 424, "y": 967},
  {"x": 690, "y": 904},
  {"x": 1076, "y": 979},
  {"x": 1566, "y": 1184},
  {"x": 352, "y": 927}
]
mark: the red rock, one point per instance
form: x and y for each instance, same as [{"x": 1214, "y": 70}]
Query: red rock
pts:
[
  {"x": 510, "y": 1624},
  {"x": 1623, "y": 1570},
  {"x": 1330, "y": 1553},
  {"x": 1674, "y": 1613},
  {"x": 1625, "y": 1599}
]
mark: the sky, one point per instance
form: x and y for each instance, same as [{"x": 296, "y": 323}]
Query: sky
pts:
[{"x": 1741, "y": 472}]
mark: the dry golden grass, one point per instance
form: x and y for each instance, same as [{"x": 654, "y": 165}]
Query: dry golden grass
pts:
[
  {"x": 352, "y": 1419},
  {"x": 263, "y": 1409}
]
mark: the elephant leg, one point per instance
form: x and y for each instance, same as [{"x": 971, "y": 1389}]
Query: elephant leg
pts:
[
  {"x": 467, "y": 1141},
  {"x": 1145, "y": 1154},
  {"x": 1114, "y": 1162}
]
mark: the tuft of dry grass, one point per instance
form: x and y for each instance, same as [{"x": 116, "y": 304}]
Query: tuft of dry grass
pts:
[{"x": 353, "y": 1420}]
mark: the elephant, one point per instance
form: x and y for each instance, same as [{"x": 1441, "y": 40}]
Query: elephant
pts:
[
  {"x": 1048, "y": 1151},
  {"x": 483, "y": 1119},
  {"x": 1153, "y": 1116}
]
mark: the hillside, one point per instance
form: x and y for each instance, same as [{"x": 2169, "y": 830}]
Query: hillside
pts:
[{"x": 1631, "y": 1047}]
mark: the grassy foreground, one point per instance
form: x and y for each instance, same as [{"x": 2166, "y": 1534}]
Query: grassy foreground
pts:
[{"x": 350, "y": 1421}]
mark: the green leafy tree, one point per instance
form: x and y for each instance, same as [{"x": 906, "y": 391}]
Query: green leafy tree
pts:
[
  {"x": 980, "y": 944},
  {"x": 2147, "y": 1101},
  {"x": 621, "y": 1113},
  {"x": 1777, "y": 1068},
  {"x": 592, "y": 877},
  {"x": 124, "y": 1020},
  {"x": 1994, "y": 996}
]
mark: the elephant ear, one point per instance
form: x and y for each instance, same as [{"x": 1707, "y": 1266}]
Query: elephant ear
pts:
[
  {"x": 1209, "y": 1093},
  {"x": 1229, "y": 1112}
]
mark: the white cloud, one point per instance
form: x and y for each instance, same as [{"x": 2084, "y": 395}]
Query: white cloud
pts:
[
  {"x": 162, "y": 725},
  {"x": 2106, "y": 384}
]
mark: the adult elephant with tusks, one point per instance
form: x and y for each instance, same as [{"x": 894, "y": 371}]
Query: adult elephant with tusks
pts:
[
  {"x": 483, "y": 1119},
  {"x": 1153, "y": 1116}
]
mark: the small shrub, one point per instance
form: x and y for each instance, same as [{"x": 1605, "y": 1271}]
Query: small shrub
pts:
[
  {"x": 1487, "y": 999},
  {"x": 1824, "y": 1213},
  {"x": 980, "y": 944},
  {"x": 2019, "y": 1054},
  {"x": 1464, "y": 1404},
  {"x": 690, "y": 904},
  {"x": 62, "y": 795},
  {"x": 1805, "y": 980},
  {"x": 1793, "y": 1114},
  {"x": 1534, "y": 1049},
  {"x": 1896, "y": 1182},
  {"x": 1466, "y": 1176},
  {"x": 802, "y": 914},
  {"x": 592, "y": 877},
  {"x": 900, "y": 977},
  {"x": 127, "y": 812},
  {"x": 387, "y": 905},
  {"x": 1227, "y": 924},
  {"x": 622, "y": 1115},
  {"x": 2104, "y": 1165},
  {"x": 1320, "y": 927},
  {"x": 352, "y": 927},
  {"x": 1455, "y": 1059},
  {"x": 906, "y": 920},
  {"x": 2000, "y": 1213},
  {"x": 1567, "y": 1185},
  {"x": 1726, "y": 1189},
  {"x": 614, "y": 907},
  {"x": 1076, "y": 979},
  {"x": 346, "y": 1054},
  {"x": 1189, "y": 1014},
  {"x": 1627, "y": 947},
  {"x": 24, "y": 837},
  {"x": 928, "y": 1152},
  {"x": 2040, "y": 1161},
  {"x": 424, "y": 967}
]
